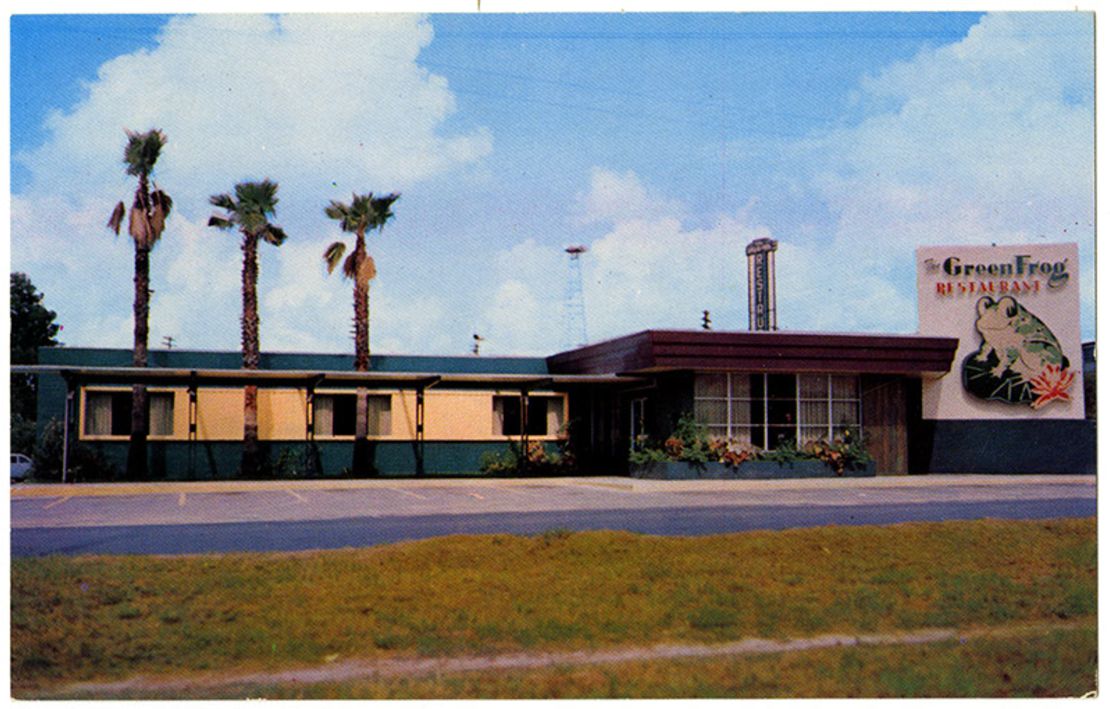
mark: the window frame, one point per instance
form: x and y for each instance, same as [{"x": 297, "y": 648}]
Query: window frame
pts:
[
  {"x": 763, "y": 400},
  {"x": 336, "y": 393},
  {"x": 83, "y": 433},
  {"x": 555, "y": 401}
]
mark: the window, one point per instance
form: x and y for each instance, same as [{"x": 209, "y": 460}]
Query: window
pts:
[
  {"x": 545, "y": 415},
  {"x": 108, "y": 413},
  {"x": 335, "y": 414},
  {"x": 768, "y": 410}
]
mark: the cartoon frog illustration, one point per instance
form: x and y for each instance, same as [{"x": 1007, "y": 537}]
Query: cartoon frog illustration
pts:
[{"x": 1020, "y": 342}]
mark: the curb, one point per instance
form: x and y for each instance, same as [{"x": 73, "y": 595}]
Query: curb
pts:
[{"x": 35, "y": 490}]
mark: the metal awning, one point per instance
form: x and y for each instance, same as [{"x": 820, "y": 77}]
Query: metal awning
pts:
[{"x": 316, "y": 379}]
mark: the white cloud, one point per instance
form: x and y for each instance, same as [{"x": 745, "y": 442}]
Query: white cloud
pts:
[
  {"x": 615, "y": 196},
  {"x": 990, "y": 139},
  {"x": 303, "y": 99},
  {"x": 647, "y": 271},
  {"x": 323, "y": 104}
]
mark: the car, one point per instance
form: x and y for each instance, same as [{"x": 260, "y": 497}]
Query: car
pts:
[{"x": 21, "y": 467}]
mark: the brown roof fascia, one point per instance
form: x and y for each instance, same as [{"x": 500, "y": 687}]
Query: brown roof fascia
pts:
[{"x": 661, "y": 350}]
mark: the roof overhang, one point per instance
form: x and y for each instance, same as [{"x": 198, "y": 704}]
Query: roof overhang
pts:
[
  {"x": 653, "y": 351},
  {"x": 153, "y": 376}
]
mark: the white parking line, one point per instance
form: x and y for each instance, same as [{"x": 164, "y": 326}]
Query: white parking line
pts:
[
  {"x": 56, "y": 502},
  {"x": 516, "y": 491},
  {"x": 406, "y": 492},
  {"x": 300, "y": 498},
  {"x": 181, "y": 500}
]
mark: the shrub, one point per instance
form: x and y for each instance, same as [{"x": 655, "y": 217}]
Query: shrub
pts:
[
  {"x": 84, "y": 462},
  {"x": 845, "y": 452},
  {"x": 535, "y": 460},
  {"x": 23, "y": 434},
  {"x": 297, "y": 462},
  {"x": 690, "y": 443}
]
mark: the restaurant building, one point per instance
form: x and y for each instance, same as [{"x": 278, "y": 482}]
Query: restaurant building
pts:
[{"x": 963, "y": 397}]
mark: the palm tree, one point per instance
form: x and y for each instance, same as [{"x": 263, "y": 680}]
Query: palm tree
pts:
[
  {"x": 364, "y": 212},
  {"x": 250, "y": 211},
  {"x": 145, "y": 224}
]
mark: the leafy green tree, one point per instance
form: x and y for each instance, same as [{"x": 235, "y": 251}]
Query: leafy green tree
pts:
[
  {"x": 146, "y": 222},
  {"x": 365, "y": 212},
  {"x": 249, "y": 211},
  {"x": 32, "y": 326}
]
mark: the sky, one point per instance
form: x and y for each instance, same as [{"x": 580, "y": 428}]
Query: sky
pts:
[{"x": 662, "y": 142}]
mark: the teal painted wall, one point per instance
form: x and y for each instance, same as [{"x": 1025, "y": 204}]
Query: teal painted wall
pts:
[
  {"x": 219, "y": 460},
  {"x": 191, "y": 359}
]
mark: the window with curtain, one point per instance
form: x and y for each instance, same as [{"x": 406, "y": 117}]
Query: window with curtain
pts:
[
  {"x": 545, "y": 415},
  {"x": 108, "y": 413},
  {"x": 768, "y": 410},
  {"x": 334, "y": 414}
]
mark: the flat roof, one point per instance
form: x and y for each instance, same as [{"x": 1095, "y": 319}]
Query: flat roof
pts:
[{"x": 669, "y": 350}]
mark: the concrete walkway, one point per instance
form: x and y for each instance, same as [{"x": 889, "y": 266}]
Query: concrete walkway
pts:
[
  {"x": 335, "y": 669},
  {"x": 22, "y": 490}
]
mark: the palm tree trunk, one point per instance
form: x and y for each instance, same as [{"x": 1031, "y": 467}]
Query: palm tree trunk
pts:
[
  {"x": 361, "y": 465},
  {"x": 250, "y": 464},
  {"x": 136, "y": 451}
]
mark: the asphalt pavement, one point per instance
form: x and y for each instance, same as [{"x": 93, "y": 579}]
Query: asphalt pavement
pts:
[{"x": 185, "y": 518}]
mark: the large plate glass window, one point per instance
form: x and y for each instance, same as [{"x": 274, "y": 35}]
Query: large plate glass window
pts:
[{"x": 770, "y": 410}]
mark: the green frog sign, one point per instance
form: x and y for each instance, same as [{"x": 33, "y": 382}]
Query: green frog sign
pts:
[
  {"x": 1019, "y": 360},
  {"x": 1014, "y": 312}
]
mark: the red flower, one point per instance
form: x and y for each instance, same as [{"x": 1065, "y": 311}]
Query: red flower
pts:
[{"x": 1052, "y": 384}]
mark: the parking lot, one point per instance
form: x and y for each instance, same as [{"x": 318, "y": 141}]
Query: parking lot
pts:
[{"x": 191, "y": 503}]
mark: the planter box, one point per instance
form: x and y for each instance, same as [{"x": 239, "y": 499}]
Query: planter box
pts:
[{"x": 750, "y": 470}]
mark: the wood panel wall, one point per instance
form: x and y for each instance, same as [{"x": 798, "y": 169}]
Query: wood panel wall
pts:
[{"x": 885, "y": 426}]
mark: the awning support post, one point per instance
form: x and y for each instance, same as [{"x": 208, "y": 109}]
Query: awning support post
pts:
[
  {"x": 193, "y": 426},
  {"x": 420, "y": 432},
  {"x": 70, "y": 395},
  {"x": 524, "y": 430}
]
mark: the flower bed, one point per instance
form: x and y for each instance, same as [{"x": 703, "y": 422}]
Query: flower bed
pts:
[
  {"x": 750, "y": 470},
  {"x": 689, "y": 454}
]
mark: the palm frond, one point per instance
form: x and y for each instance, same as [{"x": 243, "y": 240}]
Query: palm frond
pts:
[
  {"x": 257, "y": 197},
  {"x": 116, "y": 219},
  {"x": 223, "y": 201},
  {"x": 162, "y": 200},
  {"x": 367, "y": 270},
  {"x": 336, "y": 210},
  {"x": 142, "y": 151},
  {"x": 382, "y": 208},
  {"x": 333, "y": 254},
  {"x": 273, "y": 235},
  {"x": 219, "y": 222},
  {"x": 137, "y": 224},
  {"x": 350, "y": 266},
  {"x": 160, "y": 205}
]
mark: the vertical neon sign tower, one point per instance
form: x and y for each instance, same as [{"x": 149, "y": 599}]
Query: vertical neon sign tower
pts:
[{"x": 761, "y": 284}]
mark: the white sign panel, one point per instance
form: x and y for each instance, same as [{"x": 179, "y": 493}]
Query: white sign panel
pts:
[{"x": 1015, "y": 311}]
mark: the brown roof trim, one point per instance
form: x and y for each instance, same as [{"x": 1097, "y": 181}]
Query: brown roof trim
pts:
[{"x": 661, "y": 350}]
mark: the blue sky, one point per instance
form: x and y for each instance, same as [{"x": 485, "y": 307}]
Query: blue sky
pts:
[{"x": 663, "y": 142}]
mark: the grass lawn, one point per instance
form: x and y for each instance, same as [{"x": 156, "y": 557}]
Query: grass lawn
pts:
[{"x": 110, "y": 617}]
